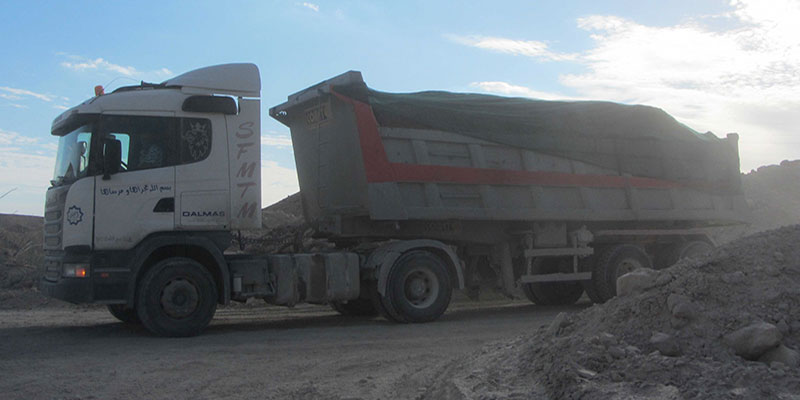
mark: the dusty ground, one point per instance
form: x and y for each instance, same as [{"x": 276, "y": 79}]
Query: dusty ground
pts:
[{"x": 247, "y": 352}]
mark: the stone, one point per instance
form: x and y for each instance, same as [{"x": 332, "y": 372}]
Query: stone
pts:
[
  {"x": 558, "y": 322},
  {"x": 783, "y": 355},
  {"x": 607, "y": 339},
  {"x": 663, "y": 279},
  {"x": 630, "y": 349},
  {"x": 772, "y": 270},
  {"x": 586, "y": 373},
  {"x": 778, "y": 256},
  {"x": 753, "y": 340},
  {"x": 686, "y": 311},
  {"x": 674, "y": 299},
  {"x": 665, "y": 344},
  {"x": 636, "y": 281},
  {"x": 616, "y": 352}
]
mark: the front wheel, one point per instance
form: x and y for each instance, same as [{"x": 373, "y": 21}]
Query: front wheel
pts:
[
  {"x": 177, "y": 297},
  {"x": 418, "y": 288},
  {"x": 124, "y": 314}
]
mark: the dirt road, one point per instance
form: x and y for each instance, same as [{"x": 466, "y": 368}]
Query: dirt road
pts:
[{"x": 259, "y": 353}]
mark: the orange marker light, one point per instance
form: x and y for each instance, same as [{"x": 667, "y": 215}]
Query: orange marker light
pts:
[
  {"x": 80, "y": 272},
  {"x": 99, "y": 91}
]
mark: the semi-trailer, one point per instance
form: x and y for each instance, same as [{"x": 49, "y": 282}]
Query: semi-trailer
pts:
[{"x": 419, "y": 193}]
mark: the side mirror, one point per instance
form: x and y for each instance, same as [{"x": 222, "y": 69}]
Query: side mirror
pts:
[{"x": 112, "y": 157}]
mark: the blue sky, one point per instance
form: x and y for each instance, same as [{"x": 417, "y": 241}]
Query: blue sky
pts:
[{"x": 723, "y": 66}]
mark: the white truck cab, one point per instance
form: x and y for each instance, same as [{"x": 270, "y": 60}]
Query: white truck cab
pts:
[{"x": 151, "y": 165}]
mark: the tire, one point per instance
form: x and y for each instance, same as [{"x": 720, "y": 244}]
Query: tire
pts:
[
  {"x": 613, "y": 263},
  {"x": 377, "y": 303},
  {"x": 124, "y": 314},
  {"x": 355, "y": 308},
  {"x": 673, "y": 253},
  {"x": 552, "y": 293},
  {"x": 693, "y": 249},
  {"x": 177, "y": 297},
  {"x": 587, "y": 265},
  {"x": 418, "y": 288}
]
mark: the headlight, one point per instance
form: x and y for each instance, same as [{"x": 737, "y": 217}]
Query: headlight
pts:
[{"x": 75, "y": 271}]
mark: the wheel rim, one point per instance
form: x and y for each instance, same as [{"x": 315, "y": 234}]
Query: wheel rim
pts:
[
  {"x": 179, "y": 298},
  {"x": 627, "y": 265},
  {"x": 421, "y": 287}
]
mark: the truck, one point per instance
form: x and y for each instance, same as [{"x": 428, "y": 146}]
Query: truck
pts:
[{"x": 420, "y": 194}]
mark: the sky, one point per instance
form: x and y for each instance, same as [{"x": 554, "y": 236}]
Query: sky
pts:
[{"x": 716, "y": 65}]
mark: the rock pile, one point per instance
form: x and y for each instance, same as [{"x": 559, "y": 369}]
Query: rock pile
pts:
[{"x": 727, "y": 326}]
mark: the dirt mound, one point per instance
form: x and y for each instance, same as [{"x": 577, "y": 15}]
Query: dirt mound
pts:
[
  {"x": 20, "y": 250},
  {"x": 727, "y": 326}
]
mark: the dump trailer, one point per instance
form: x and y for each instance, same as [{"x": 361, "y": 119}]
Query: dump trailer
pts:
[{"x": 421, "y": 194}]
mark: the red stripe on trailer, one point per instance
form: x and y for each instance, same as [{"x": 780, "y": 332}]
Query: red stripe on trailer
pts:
[
  {"x": 379, "y": 169},
  {"x": 376, "y": 163}
]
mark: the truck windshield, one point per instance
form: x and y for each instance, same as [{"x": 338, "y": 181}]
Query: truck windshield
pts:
[{"x": 72, "y": 159}]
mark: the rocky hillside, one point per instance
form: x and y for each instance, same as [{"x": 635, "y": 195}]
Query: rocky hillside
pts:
[{"x": 724, "y": 327}]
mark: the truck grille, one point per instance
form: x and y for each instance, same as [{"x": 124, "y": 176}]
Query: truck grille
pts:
[
  {"x": 52, "y": 267},
  {"x": 54, "y": 217}
]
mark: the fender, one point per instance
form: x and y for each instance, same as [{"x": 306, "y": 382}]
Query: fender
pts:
[
  {"x": 384, "y": 257},
  {"x": 209, "y": 241}
]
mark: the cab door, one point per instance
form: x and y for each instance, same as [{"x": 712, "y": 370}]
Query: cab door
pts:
[{"x": 140, "y": 198}]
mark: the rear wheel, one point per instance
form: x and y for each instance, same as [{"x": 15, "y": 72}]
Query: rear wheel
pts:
[
  {"x": 671, "y": 254},
  {"x": 613, "y": 263},
  {"x": 587, "y": 265},
  {"x": 176, "y": 297},
  {"x": 418, "y": 288},
  {"x": 552, "y": 293},
  {"x": 123, "y": 313},
  {"x": 355, "y": 308},
  {"x": 693, "y": 249}
]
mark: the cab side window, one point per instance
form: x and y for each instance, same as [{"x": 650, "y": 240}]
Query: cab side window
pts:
[{"x": 156, "y": 142}]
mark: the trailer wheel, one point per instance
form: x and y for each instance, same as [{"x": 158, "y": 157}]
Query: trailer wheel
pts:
[
  {"x": 355, "y": 308},
  {"x": 418, "y": 287},
  {"x": 124, "y": 314},
  {"x": 588, "y": 265},
  {"x": 673, "y": 253},
  {"x": 613, "y": 263},
  {"x": 552, "y": 293},
  {"x": 693, "y": 249},
  {"x": 177, "y": 297}
]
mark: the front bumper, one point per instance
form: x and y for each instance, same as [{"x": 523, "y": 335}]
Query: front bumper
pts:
[
  {"x": 73, "y": 290},
  {"x": 105, "y": 283}
]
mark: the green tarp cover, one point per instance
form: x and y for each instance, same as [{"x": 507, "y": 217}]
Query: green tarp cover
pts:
[{"x": 633, "y": 139}]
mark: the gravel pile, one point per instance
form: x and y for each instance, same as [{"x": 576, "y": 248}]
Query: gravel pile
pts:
[{"x": 723, "y": 327}]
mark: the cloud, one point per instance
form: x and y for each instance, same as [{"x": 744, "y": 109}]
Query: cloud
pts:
[
  {"x": 13, "y": 138},
  {"x": 79, "y": 63},
  {"x": 311, "y": 6},
  {"x": 17, "y": 94},
  {"x": 742, "y": 75},
  {"x": 276, "y": 182},
  {"x": 529, "y": 48},
  {"x": 98, "y": 64},
  {"x": 60, "y": 107},
  {"x": 25, "y": 171},
  {"x": 279, "y": 141}
]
